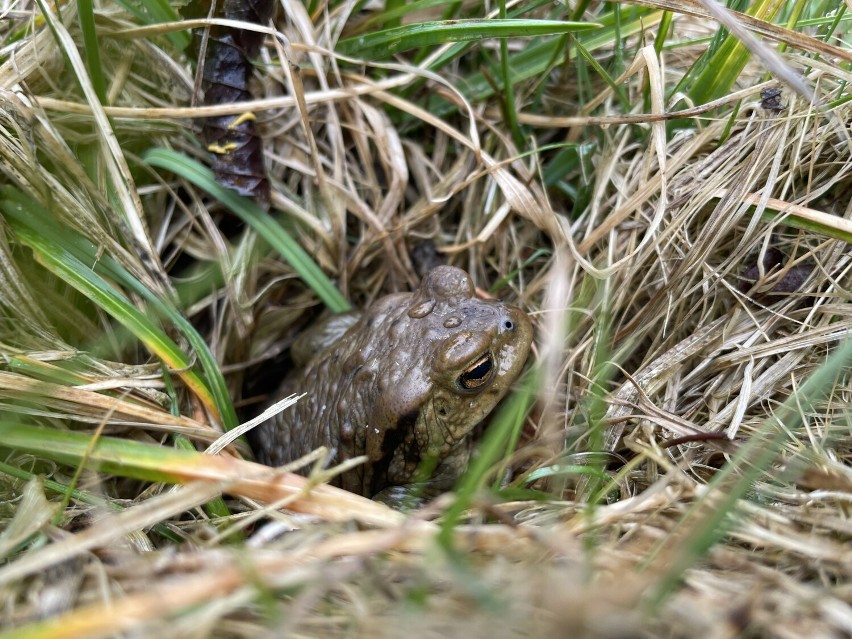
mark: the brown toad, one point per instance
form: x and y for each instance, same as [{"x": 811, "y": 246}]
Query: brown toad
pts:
[{"x": 405, "y": 385}]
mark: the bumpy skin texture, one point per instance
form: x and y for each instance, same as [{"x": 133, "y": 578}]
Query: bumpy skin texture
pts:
[{"x": 407, "y": 382}]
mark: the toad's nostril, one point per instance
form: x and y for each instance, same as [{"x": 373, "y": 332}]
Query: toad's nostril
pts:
[{"x": 509, "y": 325}]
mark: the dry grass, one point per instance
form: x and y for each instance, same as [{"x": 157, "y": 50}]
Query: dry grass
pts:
[{"x": 663, "y": 350}]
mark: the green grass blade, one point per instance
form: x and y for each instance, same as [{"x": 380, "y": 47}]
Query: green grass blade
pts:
[
  {"x": 394, "y": 11},
  {"x": 493, "y": 447},
  {"x": 155, "y": 12},
  {"x": 256, "y": 218},
  {"x": 216, "y": 507},
  {"x": 839, "y": 230},
  {"x": 727, "y": 64},
  {"x": 508, "y": 88},
  {"x": 545, "y": 53},
  {"x": 82, "y": 496},
  {"x": 40, "y": 221},
  {"x": 394, "y": 7},
  {"x": 123, "y": 457},
  {"x": 382, "y": 44},
  {"x": 793, "y": 21},
  {"x": 818, "y": 222},
  {"x": 44, "y": 371},
  {"x": 592, "y": 62},
  {"x": 710, "y": 518},
  {"x": 86, "y": 14},
  {"x": 75, "y": 273}
]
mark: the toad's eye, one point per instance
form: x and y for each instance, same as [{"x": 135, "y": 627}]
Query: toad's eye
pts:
[{"x": 478, "y": 373}]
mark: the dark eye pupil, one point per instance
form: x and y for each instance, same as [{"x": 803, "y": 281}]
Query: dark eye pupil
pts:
[{"x": 477, "y": 373}]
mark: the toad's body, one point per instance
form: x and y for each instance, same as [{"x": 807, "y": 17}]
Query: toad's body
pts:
[{"x": 406, "y": 383}]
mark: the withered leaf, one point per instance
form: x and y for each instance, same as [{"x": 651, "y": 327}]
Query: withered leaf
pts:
[{"x": 233, "y": 141}]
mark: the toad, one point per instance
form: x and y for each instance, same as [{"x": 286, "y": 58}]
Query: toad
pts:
[{"x": 404, "y": 383}]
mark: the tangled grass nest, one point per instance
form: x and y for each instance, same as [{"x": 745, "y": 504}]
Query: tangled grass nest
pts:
[{"x": 681, "y": 465}]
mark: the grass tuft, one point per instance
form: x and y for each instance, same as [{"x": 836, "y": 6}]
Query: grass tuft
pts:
[{"x": 664, "y": 186}]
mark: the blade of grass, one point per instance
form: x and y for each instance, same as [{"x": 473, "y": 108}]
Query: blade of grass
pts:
[
  {"x": 86, "y": 15},
  {"x": 21, "y": 390},
  {"x": 397, "y": 9},
  {"x": 151, "y": 462},
  {"x": 123, "y": 457},
  {"x": 557, "y": 470},
  {"x": 454, "y": 51},
  {"x": 394, "y": 12},
  {"x": 44, "y": 371},
  {"x": 793, "y": 20},
  {"x": 590, "y": 59},
  {"x": 535, "y": 59},
  {"x": 384, "y": 43},
  {"x": 710, "y": 518},
  {"x": 509, "y": 107},
  {"x": 82, "y": 496},
  {"x": 258, "y": 219},
  {"x": 121, "y": 188},
  {"x": 490, "y": 451},
  {"x": 801, "y": 217},
  {"x": 216, "y": 507},
  {"x": 40, "y": 221},
  {"x": 659, "y": 43},
  {"x": 155, "y": 12},
  {"x": 75, "y": 273},
  {"x": 725, "y": 65}
]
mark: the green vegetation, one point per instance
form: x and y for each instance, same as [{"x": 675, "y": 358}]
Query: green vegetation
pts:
[{"x": 676, "y": 462}]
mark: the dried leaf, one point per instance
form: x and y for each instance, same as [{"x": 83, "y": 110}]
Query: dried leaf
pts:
[{"x": 233, "y": 141}]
